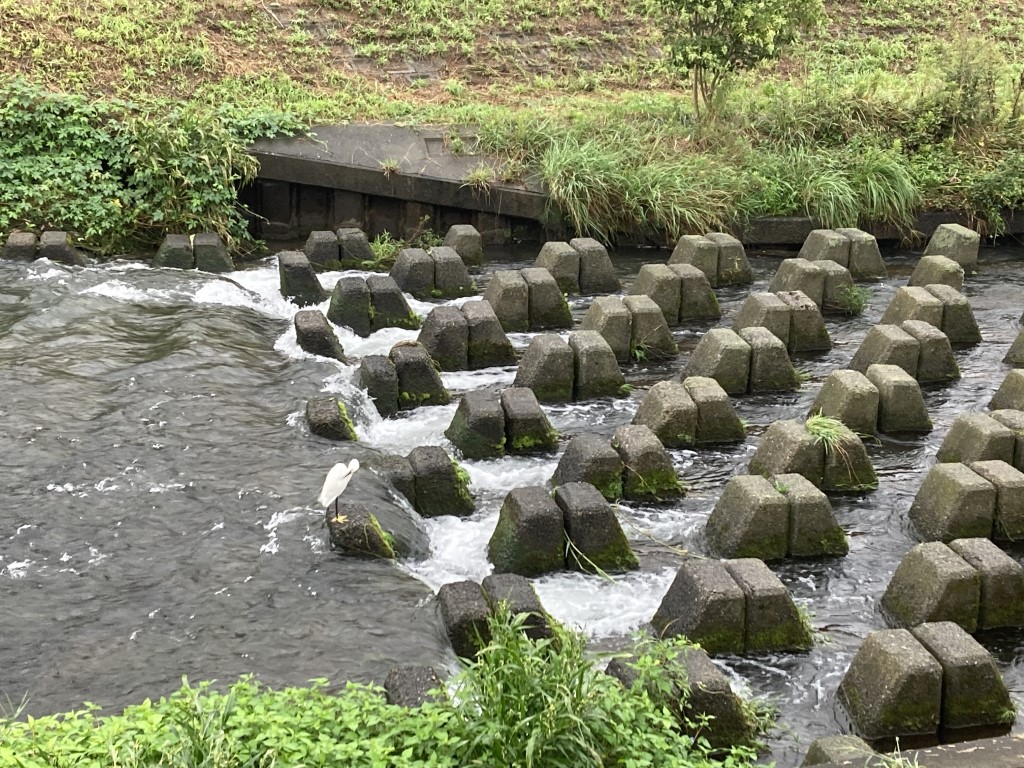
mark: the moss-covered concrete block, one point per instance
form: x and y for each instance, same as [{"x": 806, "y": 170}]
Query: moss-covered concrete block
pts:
[
  {"x": 589, "y": 459},
  {"x": 664, "y": 288},
  {"x": 977, "y": 437},
  {"x": 699, "y": 252},
  {"x": 548, "y": 368},
  {"x": 850, "y": 397},
  {"x": 935, "y": 361},
  {"x": 509, "y": 296},
  {"x": 787, "y": 447},
  {"x": 771, "y": 619},
  {"x": 933, "y": 583},
  {"x": 765, "y": 310},
  {"x": 887, "y": 345},
  {"x": 705, "y": 604},
  {"x": 609, "y": 316},
  {"x": 1002, "y": 582},
  {"x": 670, "y": 413},
  {"x": 724, "y": 356},
  {"x": 770, "y": 368},
  {"x": 953, "y": 502},
  {"x": 937, "y": 270},
  {"x": 750, "y": 519},
  {"x": 901, "y": 405},
  {"x": 648, "y": 472},
  {"x": 1009, "y": 485},
  {"x": 958, "y": 321},
  {"x": 596, "y": 540},
  {"x": 958, "y": 243},
  {"x": 717, "y": 420},
  {"x": 478, "y": 427},
  {"x": 813, "y": 528},
  {"x": 529, "y": 538},
  {"x": 527, "y": 428}
]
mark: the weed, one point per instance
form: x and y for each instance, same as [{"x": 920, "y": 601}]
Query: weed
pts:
[
  {"x": 389, "y": 166},
  {"x": 480, "y": 180},
  {"x": 828, "y": 431},
  {"x": 852, "y": 299}
]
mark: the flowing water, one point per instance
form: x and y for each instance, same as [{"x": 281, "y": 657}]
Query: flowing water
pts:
[{"x": 158, "y": 514}]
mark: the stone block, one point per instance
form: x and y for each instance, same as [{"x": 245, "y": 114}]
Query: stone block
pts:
[
  {"x": 547, "y": 367},
  {"x": 596, "y": 373},
  {"x": 413, "y": 270},
  {"x": 1009, "y": 484},
  {"x": 841, "y": 748},
  {"x": 519, "y": 596},
  {"x": 705, "y": 604},
  {"x": 547, "y": 305},
  {"x": 353, "y": 248},
  {"x": 388, "y": 307},
  {"x": 451, "y": 275},
  {"x": 418, "y": 381},
  {"x": 211, "y": 253},
  {"x": 650, "y": 338},
  {"x": 973, "y": 691},
  {"x": 699, "y": 252},
  {"x": 1010, "y": 393},
  {"x": 770, "y": 368},
  {"x": 826, "y": 244},
  {"x": 1013, "y": 420},
  {"x": 478, "y": 427},
  {"x": 397, "y": 471},
  {"x": 956, "y": 242},
  {"x": 563, "y": 262},
  {"x": 900, "y": 402},
  {"x": 598, "y": 543},
  {"x": 800, "y": 275},
  {"x": 933, "y": 583},
  {"x": 771, "y": 620},
  {"x": 527, "y": 429},
  {"x": 670, "y": 413},
  {"x": 464, "y": 612},
  {"x": 316, "y": 336},
  {"x": 913, "y": 303},
  {"x": 56, "y": 246},
  {"x": 299, "y": 283},
  {"x": 355, "y": 532},
  {"x": 813, "y": 528},
  {"x": 413, "y": 686},
  {"x": 838, "y": 288},
  {"x": 22, "y": 246},
  {"x": 953, "y": 502},
  {"x": 697, "y": 301},
  {"x": 724, "y": 356},
  {"x": 649, "y": 474},
  {"x": 597, "y": 275},
  {"x": 1015, "y": 354},
  {"x": 488, "y": 345},
  {"x": 589, "y": 459},
  {"x": 717, "y": 420},
  {"x": 733, "y": 267},
  {"x": 322, "y": 249},
  {"x": 807, "y": 332},
  {"x": 663, "y": 286},
  {"x": 893, "y": 687},
  {"x": 887, "y": 345},
  {"x": 787, "y": 447},
  {"x": 848, "y": 467},
  {"x": 529, "y": 538},
  {"x": 850, "y": 397},
  {"x": 750, "y": 519},
  {"x": 467, "y": 242},
  {"x": 935, "y": 361},
  {"x": 378, "y": 377},
  {"x": 328, "y": 417},
  {"x": 937, "y": 270},
  {"x": 350, "y": 305},
  {"x": 977, "y": 437},
  {"x": 865, "y": 259},
  {"x": 1002, "y": 582},
  {"x": 765, "y": 310},
  {"x": 608, "y": 316},
  {"x": 175, "y": 252},
  {"x": 441, "y": 488},
  {"x": 445, "y": 336},
  {"x": 958, "y": 321}
]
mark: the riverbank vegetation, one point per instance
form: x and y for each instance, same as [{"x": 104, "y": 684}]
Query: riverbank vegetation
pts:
[
  {"x": 523, "y": 703},
  {"x": 885, "y": 110}
]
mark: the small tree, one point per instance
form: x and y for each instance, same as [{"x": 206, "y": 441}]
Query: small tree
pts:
[{"x": 709, "y": 39}]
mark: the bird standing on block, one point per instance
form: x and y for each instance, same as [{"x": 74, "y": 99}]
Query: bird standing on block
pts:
[{"x": 336, "y": 483}]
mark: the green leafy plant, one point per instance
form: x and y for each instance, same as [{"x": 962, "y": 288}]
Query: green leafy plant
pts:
[{"x": 852, "y": 299}]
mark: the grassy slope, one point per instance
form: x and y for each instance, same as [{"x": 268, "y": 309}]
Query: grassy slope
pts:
[{"x": 578, "y": 90}]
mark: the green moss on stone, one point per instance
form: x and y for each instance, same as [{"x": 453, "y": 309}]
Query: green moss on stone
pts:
[
  {"x": 611, "y": 488},
  {"x": 652, "y": 485},
  {"x": 350, "y": 428},
  {"x": 462, "y": 484},
  {"x": 386, "y": 540},
  {"x": 533, "y": 443}
]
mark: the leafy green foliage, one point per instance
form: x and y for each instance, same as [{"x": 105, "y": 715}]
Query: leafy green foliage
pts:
[{"x": 385, "y": 246}]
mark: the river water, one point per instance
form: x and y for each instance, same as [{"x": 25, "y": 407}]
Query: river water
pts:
[{"x": 158, "y": 485}]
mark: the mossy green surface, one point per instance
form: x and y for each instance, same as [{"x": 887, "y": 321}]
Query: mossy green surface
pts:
[
  {"x": 508, "y": 556},
  {"x": 534, "y": 443},
  {"x": 462, "y": 485},
  {"x": 617, "y": 556},
  {"x": 653, "y": 485},
  {"x": 346, "y": 420}
]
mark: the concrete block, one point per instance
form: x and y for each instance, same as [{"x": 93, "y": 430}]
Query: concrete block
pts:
[
  {"x": 440, "y": 488},
  {"x": 608, "y": 316},
  {"x": 396, "y": 470},
  {"x": 733, "y": 267},
  {"x": 705, "y": 604},
  {"x": 527, "y": 429},
  {"x": 663, "y": 286},
  {"x": 887, "y": 345},
  {"x": 378, "y": 377},
  {"x": 547, "y": 367},
  {"x": 519, "y": 596},
  {"x": 649, "y": 474},
  {"x": 211, "y": 253},
  {"x": 175, "y": 252},
  {"x": 765, "y": 310},
  {"x": 717, "y": 420},
  {"x": 787, "y": 447},
  {"x": 848, "y": 467},
  {"x": 800, "y": 275},
  {"x": 316, "y": 336},
  {"x": 327, "y": 417},
  {"x": 700, "y": 252},
  {"x": 299, "y": 283},
  {"x": 1010, "y": 394},
  {"x": 935, "y": 361},
  {"x": 322, "y": 249},
  {"x": 464, "y": 612},
  {"x": 953, "y": 502},
  {"x": 445, "y": 336},
  {"x": 958, "y": 321},
  {"x": 350, "y": 305},
  {"x": 900, "y": 402},
  {"x": 697, "y": 301},
  {"x": 597, "y": 275},
  {"x": 750, "y": 519},
  {"x": 413, "y": 686},
  {"x": 353, "y": 248},
  {"x": 826, "y": 244},
  {"x": 807, "y": 332},
  {"x": 865, "y": 259},
  {"x": 354, "y": 531},
  {"x": 595, "y": 373},
  {"x": 22, "y": 246},
  {"x": 56, "y": 246},
  {"x": 1009, "y": 485},
  {"x": 548, "y": 308},
  {"x": 1002, "y": 582},
  {"x": 451, "y": 275},
  {"x": 563, "y": 262},
  {"x": 937, "y": 270},
  {"x": 388, "y": 307},
  {"x": 598, "y": 542},
  {"x": 529, "y": 538},
  {"x": 478, "y": 427},
  {"x": 770, "y": 368},
  {"x": 650, "y": 338},
  {"x": 977, "y": 437},
  {"x": 933, "y": 583},
  {"x": 850, "y": 397},
  {"x": 467, "y": 242},
  {"x": 1015, "y": 354},
  {"x": 838, "y": 288},
  {"x": 840, "y": 748},
  {"x": 488, "y": 345},
  {"x": 670, "y": 413},
  {"x": 418, "y": 381},
  {"x": 724, "y": 356},
  {"x": 813, "y": 528},
  {"x": 913, "y": 304},
  {"x": 589, "y": 459},
  {"x": 413, "y": 270},
  {"x": 956, "y": 242},
  {"x": 771, "y": 620}
]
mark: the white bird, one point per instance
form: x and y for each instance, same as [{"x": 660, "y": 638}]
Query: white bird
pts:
[{"x": 336, "y": 483}]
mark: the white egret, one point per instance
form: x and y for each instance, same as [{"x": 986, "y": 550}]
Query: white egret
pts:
[{"x": 336, "y": 483}]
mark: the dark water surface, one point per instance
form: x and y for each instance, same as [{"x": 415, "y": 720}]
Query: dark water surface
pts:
[{"x": 158, "y": 484}]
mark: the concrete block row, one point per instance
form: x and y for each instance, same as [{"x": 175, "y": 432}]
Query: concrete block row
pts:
[
  {"x": 349, "y": 248},
  {"x": 887, "y": 399},
  {"x": 559, "y": 372},
  {"x": 771, "y": 519},
  {"x": 919, "y": 348},
  {"x": 826, "y": 283},
  {"x": 939, "y": 305},
  {"x": 403, "y": 380},
  {"x": 580, "y": 266},
  {"x": 573, "y": 529},
  {"x": 205, "y": 251},
  {"x": 985, "y": 437},
  {"x": 432, "y": 482},
  {"x": 718, "y": 255},
  {"x": 753, "y": 360},
  {"x": 634, "y": 465},
  {"x": 955, "y": 242},
  {"x": 731, "y": 606},
  {"x": 681, "y": 291},
  {"x": 633, "y": 326},
  {"x": 695, "y": 411},
  {"x": 367, "y": 306},
  {"x": 970, "y": 582},
  {"x": 438, "y": 273},
  {"x": 53, "y": 245},
  {"x": 791, "y": 315},
  {"x": 469, "y": 337},
  {"x": 527, "y": 300},
  {"x": 920, "y": 682},
  {"x": 487, "y": 425},
  {"x": 853, "y": 249}
]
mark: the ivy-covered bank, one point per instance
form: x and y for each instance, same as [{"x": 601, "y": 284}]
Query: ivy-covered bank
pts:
[{"x": 539, "y": 703}]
